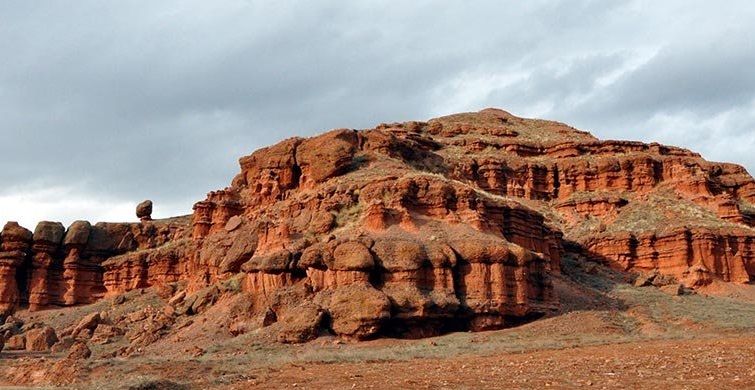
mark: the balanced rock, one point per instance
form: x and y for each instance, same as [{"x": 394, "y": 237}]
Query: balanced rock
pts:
[{"x": 144, "y": 210}]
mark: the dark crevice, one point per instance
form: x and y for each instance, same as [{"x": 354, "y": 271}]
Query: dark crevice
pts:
[
  {"x": 296, "y": 169},
  {"x": 556, "y": 181}
]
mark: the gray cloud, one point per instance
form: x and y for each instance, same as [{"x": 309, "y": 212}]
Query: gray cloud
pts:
[{"x": 134, "y": 100}]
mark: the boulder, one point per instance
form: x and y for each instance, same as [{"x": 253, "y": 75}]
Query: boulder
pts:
[
  {"x": 273, "y": 262},
  {"x": 78, "y": 233},
  {"x": 301, "y": 323},
  {"x": 40, "y": 339},
  {"x": 673, "y": 289},
  {"x": 79, "y": 351},
  {"x": 144, "y": 210},
  {"x": 63, "y": 344},
  {"x": 357, "y": 311},
  {"x": 89, "y": 322},
  {"x": 352, "y": 256},
  {"x": 327, "y": 155},
  {"x": 49, "y": 232},
  {"x": 15, "y": 343},
  {"x": 399, "y": 255}
]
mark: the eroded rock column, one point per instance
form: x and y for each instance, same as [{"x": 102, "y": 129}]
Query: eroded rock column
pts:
[
  {"x": 47, "y": 238},
  {"x": 73, "y": 244},
  {"x": 13, "y": 252}
]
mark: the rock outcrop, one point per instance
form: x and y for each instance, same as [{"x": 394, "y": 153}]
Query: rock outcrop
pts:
[
  {"x": 409, "y": 228},
  {"x": 55, "y": 266},
  {"x": 15, "y": 248}
]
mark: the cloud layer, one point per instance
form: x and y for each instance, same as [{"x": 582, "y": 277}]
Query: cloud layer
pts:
[{"x": 103, "y": 105}]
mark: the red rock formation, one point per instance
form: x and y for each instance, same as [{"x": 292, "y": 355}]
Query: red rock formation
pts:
[
  {"x": 455, "y": 223},
  {"x": 47, "y": 239},
  {"x": 694, "y": 255},
  {"x": 15, "y": 246},
  {"x": 75, "y": 268},
  {"x": 53, "y": 266},
  {"x": 349, "y": 209},
  {"x": 394, "y": 210}
]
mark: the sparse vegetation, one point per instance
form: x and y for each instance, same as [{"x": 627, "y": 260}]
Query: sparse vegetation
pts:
[
  {"x": 746, "y": 207},
  {"x": 346, "y": 215}
]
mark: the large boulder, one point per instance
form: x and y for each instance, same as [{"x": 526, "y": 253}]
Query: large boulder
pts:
[
  {"x": 301, "y": 323},
  {"x": 40, "y": 339},
  {"x": 78, "y": 233},
  {"x": 357, "y": 311},
  {"x": 352, "y": 256},
  {"x": 49, "y": 232},
  {"x": 327, "y": 155},
  {"x": 144, "y": 210},
  {"x": 89, "y": 322}
]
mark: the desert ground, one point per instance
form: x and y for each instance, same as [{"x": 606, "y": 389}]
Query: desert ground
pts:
[{"x": 607, "y": 334}]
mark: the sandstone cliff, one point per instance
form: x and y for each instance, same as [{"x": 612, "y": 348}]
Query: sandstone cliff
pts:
[
  {"x": 411, "y": 228},
  {"x": 58, "y": 266}
]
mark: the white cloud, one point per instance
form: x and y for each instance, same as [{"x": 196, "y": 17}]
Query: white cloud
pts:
[
  {"x": 67, "y": 204},
  {"x": 159, "y": 100}
]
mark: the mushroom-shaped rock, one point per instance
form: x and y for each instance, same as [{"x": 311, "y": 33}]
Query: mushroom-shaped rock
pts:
[
  {"x": 352, "y": 256},
  {"x": 78, "y": 233},
  {"x": 303, "y": 324},
  {"x": 488, "y": 251},
  {"x": 13, "y": 233},
  {"x": 14, "y": 247},
  {"x": 319, "y": 255},
  {"x": 400, "y": 255},
  {"x": 49, "y": 233},
  {"x": 277, "y": 261},
  {"x": 47, "y": 238},
  {"x": 144, "y": 210}
]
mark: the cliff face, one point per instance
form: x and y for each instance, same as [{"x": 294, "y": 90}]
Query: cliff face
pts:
[
  {"x": 58, "y": 266},
  {"x": 454, "y": 223},
  {"x": 374, "y": 212}
]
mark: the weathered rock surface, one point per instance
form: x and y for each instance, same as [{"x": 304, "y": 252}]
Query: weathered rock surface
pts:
[
  {"x": 78, "y": 351},
  {"x": 40, "y": 339},
  {"x": 409, "y": 229},
  {"x": 55, "y": 266},
  {"x": 15, "y": 343},
  {"x": 144, "y": 210},
  {"x": 14, "y": 247}
]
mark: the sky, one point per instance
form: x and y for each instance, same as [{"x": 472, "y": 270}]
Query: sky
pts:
[{"x": 105, "y": 104}]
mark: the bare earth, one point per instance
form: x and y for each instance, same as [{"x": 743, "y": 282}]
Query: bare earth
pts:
[
  {"x": 679, "y": 364},
  {"x": 607, "y": 334}
]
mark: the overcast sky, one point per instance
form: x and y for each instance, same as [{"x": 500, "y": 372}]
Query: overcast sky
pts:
[{"x": 105, "y": 104}]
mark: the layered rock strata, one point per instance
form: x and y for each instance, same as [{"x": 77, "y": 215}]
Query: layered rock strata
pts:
[
  {"x": 58, "y": 266},
  {"x": 371, "y": 211},
  {"x": 412, "y": 228}
]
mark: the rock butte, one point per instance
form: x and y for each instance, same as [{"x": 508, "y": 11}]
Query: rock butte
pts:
[{"x": 410, "y": 229}]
